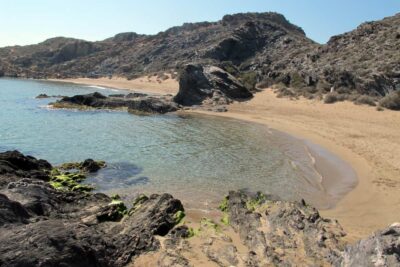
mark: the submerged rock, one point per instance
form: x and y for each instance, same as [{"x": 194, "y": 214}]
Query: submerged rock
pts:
[
  {"x": 40, "y": 96},
  {"x": 90, "y": 165},
  {"x": 209, "y": 85}
]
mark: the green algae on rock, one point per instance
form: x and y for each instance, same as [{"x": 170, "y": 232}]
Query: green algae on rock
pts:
[
  {"x": 68, "y": 176},
  {"x": 179, "y": 216}
]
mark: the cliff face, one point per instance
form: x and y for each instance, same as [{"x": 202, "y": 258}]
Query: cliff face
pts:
[{"x": 265, "y": 45}]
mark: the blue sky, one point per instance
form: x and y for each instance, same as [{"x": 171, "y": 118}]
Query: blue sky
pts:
[{"x": 32, "y": 21}]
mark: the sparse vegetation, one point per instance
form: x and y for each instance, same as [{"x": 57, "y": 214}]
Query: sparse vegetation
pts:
[
  {"x": 228, "y": 66},
  {"x": 365, "y": 100},
  {"x": 391, "y": 101},
  {"x": 333, "y": 97},
  {"x": 249, "y": 80},
  {"x": 296, "y": 81},
  {"x": 255, "y": 202}
]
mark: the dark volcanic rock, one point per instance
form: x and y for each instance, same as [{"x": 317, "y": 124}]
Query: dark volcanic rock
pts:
[
  {"x": 11, "y": 211},
  {"x": 134, "y": 102},
  {"x": 381, "y": 249},
  {"x": 41, "y": 226},
  {"x": 92, "y": 100},
  {"x": 13, "y": 165},
  {"x": 198, "y": 84},
  {"x": 90, "y": 165},
  {"x": 152, "y": 105}
]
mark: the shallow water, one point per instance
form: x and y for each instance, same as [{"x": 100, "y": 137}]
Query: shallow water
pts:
[{"x": 195, "y": 158}]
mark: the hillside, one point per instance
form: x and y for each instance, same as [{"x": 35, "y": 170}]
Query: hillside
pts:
[{"x": 261, "y": 48}]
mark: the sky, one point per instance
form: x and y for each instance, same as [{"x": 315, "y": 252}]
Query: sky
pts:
[{"x": 33, "y": 21}]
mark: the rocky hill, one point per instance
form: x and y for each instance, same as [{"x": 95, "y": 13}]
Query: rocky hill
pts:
[
  {"x": 257, "y": 48},
  {"x": 236, "y": 38}
]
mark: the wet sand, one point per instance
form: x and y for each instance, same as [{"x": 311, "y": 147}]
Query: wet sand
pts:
[{"x": 367, "y": 139}]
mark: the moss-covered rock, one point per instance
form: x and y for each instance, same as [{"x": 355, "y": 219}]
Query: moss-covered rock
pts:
[
  {"x": 179, "y": 216},
  {"x": 68, "y": 176},
  {"x": 69, "y": 181},
  {"x": 224, "y": 205},
  {"x": 137, "y": 203},
  {"x": 255, "y": 202}
]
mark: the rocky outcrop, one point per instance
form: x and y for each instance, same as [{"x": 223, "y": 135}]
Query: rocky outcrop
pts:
[
  {"x": 133, "y": 102},
  {"x": 209, "y": 85},
  {"x": 284, "y": 233},
  {"x": 381, "y": 249},
  {"x": 14, "y": 165},
  {"x": 42, "y": 226},
  {"x": 235, "y": 38}
]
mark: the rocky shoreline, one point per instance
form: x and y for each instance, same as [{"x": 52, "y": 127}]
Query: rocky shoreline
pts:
[
  {"x": 46, "y": 222},
  {"x": 209, "y": 88}
]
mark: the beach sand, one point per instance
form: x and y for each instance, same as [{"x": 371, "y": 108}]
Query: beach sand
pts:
[
  {"x": 366, "y": 138},
  {"x": 144, "y": 84},
  {"x": 369, "y": 140}
]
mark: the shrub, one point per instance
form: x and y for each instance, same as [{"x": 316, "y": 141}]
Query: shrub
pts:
[
  {"x": 330, "y": 98},
  {"x": 228, "y": 66},
  {"x": 365, "y": 100},
  {"x": 296, "y": 81},
  {"x": 285, "y": 92},
  {"x": 335, "y": 97},
  {"x": 249, "y": 80},
  {"x": 391, "y": 101}
]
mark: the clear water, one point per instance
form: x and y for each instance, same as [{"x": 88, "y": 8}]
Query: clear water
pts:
[{"x": 195, "y": 158}]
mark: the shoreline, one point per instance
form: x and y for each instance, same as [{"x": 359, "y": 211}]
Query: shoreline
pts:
[
  {"x": 373, "y": 203},
  {"x": 343, "y": 129},
  {"x": 144, "y": 84}
]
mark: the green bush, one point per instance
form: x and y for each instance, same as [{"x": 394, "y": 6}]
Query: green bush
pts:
[
  {"x": 228, "y": 66},
  {"x": 296, "y": 81},
  {"x": 391, "y": 101},
  {"x": 249, "y": 80}
]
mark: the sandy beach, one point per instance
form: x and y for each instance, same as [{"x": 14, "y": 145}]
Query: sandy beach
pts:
[
  {"x": 145, "y": 84},
  {"x": 369, "y": 140}
]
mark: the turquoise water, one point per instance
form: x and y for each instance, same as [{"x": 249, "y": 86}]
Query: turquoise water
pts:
[{"x": 196, "y": 158}]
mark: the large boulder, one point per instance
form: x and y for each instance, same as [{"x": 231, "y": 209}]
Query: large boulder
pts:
[{"x": 200, "y": 83}]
